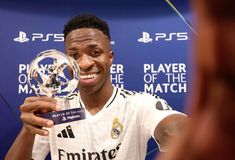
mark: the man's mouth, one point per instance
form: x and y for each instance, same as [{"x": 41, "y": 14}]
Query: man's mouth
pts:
[{"x": 88, "y": 76}]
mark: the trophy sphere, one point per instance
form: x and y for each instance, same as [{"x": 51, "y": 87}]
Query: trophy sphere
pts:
[{"x": 53, "y": 74}]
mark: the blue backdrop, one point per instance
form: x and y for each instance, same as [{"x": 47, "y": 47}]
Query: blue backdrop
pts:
[{"x": 150, "y": 41}]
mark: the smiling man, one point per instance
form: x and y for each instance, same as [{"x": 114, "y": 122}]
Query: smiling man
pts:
[
  {"x": 90, "y": 47},
  {"x": 118, "y": 122}
]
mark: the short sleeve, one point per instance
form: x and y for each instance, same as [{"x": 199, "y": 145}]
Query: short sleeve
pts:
[{"x": 151, "y": 110}]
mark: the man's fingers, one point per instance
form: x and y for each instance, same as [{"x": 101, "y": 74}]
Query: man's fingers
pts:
[
  {"x": 36, "y": 130},
  {"x": 38, "y": 105},
  {"x": 30, "y": 118},
  {"x": 30, "y": 111},
  {"x": 38, "y": 98}
]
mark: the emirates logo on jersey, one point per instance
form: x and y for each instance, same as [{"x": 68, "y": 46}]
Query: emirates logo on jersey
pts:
[{"x": 117, "y": 129}]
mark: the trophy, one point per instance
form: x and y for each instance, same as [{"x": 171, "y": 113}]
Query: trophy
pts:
[{"x": 54, "y": 74}]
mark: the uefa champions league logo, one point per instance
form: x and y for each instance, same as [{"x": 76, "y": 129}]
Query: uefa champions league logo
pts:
[{"x": 60, "y": 78}]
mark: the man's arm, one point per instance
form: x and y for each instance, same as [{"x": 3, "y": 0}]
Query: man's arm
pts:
[
  {"x": 22, "y": 147},
  {"x": 32, "y": 125},
  {"x": 169, "y": 129}
]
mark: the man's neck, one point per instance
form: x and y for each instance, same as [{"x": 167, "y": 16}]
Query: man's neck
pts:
[{"x": 94, "y": 102}]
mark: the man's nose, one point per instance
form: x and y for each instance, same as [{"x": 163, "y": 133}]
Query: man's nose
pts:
[{"x": 85, "y": 62}]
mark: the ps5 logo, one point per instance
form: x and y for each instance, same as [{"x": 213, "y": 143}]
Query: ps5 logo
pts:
[
  {"x": 145, "y": 38},
  {"x": 22, "y": 37},
  {"x": 178, "y": 36}
]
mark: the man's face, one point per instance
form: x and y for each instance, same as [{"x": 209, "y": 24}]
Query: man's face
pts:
[{"x": 91, "y": 49}]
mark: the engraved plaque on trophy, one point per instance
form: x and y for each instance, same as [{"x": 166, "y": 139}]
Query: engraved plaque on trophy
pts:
[{"x": 56, "y": 75}]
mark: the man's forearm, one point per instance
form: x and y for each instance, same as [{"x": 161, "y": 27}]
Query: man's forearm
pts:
[
  {"x": 22, "y": 146},
  {"x": 169, "y": 129}
]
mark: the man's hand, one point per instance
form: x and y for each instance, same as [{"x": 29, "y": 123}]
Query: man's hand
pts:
[{"x": 30, "y": 111}]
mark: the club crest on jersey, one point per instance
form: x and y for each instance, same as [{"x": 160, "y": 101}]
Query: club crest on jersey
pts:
[{"x": 117, "y": 128}]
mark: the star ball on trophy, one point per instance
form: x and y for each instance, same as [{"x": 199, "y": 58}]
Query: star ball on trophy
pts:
[{"x": 54, "y": 74}]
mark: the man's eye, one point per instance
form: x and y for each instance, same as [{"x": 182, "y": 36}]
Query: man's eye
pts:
[
  {"x": 95, "y": 53},
  {"x": 74, "y": 55}
]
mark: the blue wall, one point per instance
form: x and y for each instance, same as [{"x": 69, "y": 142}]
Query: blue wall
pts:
[{"x": 150, "y": 41}]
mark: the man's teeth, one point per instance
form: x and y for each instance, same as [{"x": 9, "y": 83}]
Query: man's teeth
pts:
[{"x": 87, "y": 76}]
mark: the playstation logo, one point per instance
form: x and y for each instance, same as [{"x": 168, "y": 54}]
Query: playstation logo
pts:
[
  {"x": 21, "y": 38},
  {"x": 145, "y": 38}
]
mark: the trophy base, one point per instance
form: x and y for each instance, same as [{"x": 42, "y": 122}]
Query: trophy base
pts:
[{"x": 65, "y": 116}]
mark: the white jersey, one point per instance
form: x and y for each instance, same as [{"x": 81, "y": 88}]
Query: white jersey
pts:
[{"x": 120, "y": 131}]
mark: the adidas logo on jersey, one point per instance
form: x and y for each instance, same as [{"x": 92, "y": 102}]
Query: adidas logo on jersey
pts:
[{"x": 66, "y": 133}]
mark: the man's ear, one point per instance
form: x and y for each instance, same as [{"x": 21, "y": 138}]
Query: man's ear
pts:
[{"x": 111, "y": 56}]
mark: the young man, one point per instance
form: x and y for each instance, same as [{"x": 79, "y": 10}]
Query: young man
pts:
[{"x": 118, "y": 122}]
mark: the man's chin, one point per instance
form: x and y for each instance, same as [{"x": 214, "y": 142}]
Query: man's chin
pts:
[{"x": 87, "y": 88}]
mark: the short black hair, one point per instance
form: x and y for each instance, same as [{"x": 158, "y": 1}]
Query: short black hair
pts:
[{"x": 86, "y": 21}]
